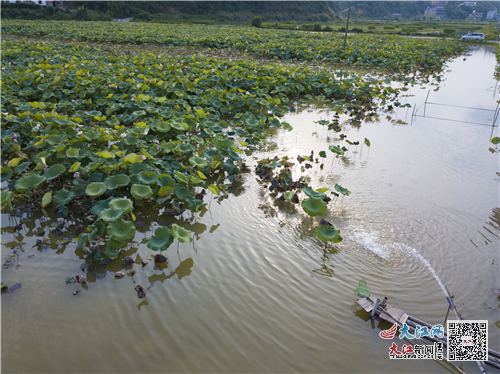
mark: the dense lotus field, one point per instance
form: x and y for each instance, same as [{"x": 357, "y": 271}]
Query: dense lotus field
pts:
[
  {"x": 395, "y": 53},
  {"x": 88, "y": 132}
]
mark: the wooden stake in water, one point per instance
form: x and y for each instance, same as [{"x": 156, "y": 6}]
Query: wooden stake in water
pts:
[{"x": 347, "y": 25}]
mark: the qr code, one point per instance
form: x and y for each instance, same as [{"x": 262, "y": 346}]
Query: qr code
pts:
[{"x": 467, "y": 340}]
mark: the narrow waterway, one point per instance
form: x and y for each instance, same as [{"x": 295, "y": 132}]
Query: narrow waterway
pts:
[{"x": 257, "y": 291}]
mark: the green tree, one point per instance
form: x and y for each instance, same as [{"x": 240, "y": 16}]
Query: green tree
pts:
[{"x": 256, "y": 21}]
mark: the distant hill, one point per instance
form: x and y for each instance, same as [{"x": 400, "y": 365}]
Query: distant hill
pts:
[{"x": 221, "y": 10}]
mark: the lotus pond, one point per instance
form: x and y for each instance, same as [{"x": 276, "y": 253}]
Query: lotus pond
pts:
[{"x": 109, "y": 161}]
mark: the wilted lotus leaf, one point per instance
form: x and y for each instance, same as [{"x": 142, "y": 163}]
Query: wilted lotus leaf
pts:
[
  {"x": 121, "y": 230},
  {"x": 6, "y": 173},
  {"x": 73, "y": 152},
  {"x": 140, "y": 191},
  {"x": 148, "y": 177},
  {"x": 198, "y": 161},
  {"x": 181, "y": 234},
  {"x": 314, "y": 206},
  {"x": 162, "y": 239},
  {"x": 336, "y": 150},
  {"x": 117, "y": 180},
  {"x": 110, "y": 214},
  {"x": 28, "y": 181},
  {"x": 63, "y": 197},
  {"x": 96, "y": 189},
  {"x": 311, "y": 193},
  {"x": 54, "y": 171},
  {"x": 133, "y": 158},
  {"x": 328, "y": 234},
  {"x": 342, "y": 190},
  {"x": 46, "y": 199},
  {"x": 122, "y": 203}
]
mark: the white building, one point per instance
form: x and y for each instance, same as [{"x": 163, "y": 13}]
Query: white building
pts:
[{"x": 492, "y": 14}]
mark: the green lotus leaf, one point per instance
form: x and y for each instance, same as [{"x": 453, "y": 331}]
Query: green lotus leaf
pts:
[
  {"x": 289, "y": 195},
  {"x": 54, "y": 171},
  {"x": 100, "y": 205},
  {"x": 179, "y": 126},
  {"x": 328, "y": 234},
  {"x": 191, "y": 123},
  {"x": 367, "y": 142},
  {"x": 342, "y": 190},
  {"x": 495, "y": 140},
  {"x": 117, "y": 180},
  {"x": 63, "y": 197},
  {"x": 6, "y": 197},
  {"x": 112, "y": 246},
  {"x": 96, "y": 189},
  {"x": 131, "y": 139},
  {"x": 183, "y": 193},
  {"x": 140, "y": 191},
  {"x": 161, "y": 240},
  {"x": 314, "y": 206},
  {"x": 195, "y": 205},
  {"x": 311, "y": 193},
  {"x": 198, "y": 161},
  {"x": 148, "y": 177},
  {"x": 96, "y": 177},
  {"x": 110, "y": 214},
  {"x": 63, "y": 212},
  {"x": 165, "y": 192},
  {"x": 137, "y": 168},
  {"x": 21, "y": 167},
  {"x": 28, "y": 181},
  {"x": 126, "y": 204},
  {"x": 182, "y": 177},
  {"x": 336, "y": 150},
  {"x": 322, "y": 154},
  {"x": 183, "y": 138},
  {"x": 181, "y": 234},
  {"x": 163, "y": 126},
  {"x": 166, "y": 181},
  {"x": 6, "y": 173},
  {"x": 121, "y": 230}
]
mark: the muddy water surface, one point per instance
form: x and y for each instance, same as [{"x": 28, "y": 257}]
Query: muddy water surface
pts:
[{"x": 257, "y": 291}]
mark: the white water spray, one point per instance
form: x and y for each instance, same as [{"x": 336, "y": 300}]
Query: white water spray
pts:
[{"x": 370, "y": 241}]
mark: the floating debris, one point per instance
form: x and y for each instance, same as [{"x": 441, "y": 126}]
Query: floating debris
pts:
[
  {"x": 70, "y": 280},
  {"x": 151, "y": 285},
  {"x": 81, "y": 279},
  {"x": 100, "y": 275},
  {"x": 12, "y": 288},
  {"x": 141, "y": 291},
  {"x": 77, "y": 292},
  {"x": 159, "y": 258},
  {"x": 9, "y": 262},
  {"x": 119, "y": 274},
  {"x": 31, "y": 256},
  {"x": 84, "y": 267},
  {"x": 129, "y": 260},
  {"x": 139, "y": 223}
]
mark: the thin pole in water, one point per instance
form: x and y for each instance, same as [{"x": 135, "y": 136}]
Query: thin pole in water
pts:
[{"x": 347, "y": 26}]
